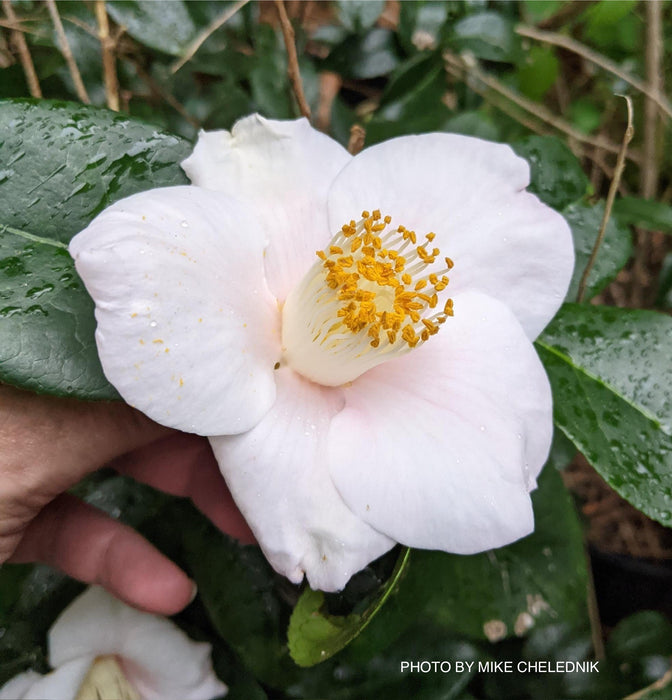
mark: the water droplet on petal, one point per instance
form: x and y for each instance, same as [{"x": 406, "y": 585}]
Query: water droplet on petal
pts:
[
  {"x": 153, "y": 324},
  {"x": 184, "y": 224}
]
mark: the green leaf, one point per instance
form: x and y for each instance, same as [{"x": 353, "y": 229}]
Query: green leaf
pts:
[
  {"x": 370, "y": 55},
  {"x": 62, "y": 164},
  {"x": 412, "y": 102},
  {"x": 165, "y": 26},
  {"x": 538, "y": 73},
  {"x": 47, "y": 324},
  {"x": 488, "y": 35},
  {"x": 556, "y": 176},
  {"x": 314, "y": 635},
  {"x": 359, "y": 15},
  {"x": 647, "y": 213},
  {"x": 615, "y": 250},
  {"x": 242, "y": 596},
  {"x": 611, "y": 377}
]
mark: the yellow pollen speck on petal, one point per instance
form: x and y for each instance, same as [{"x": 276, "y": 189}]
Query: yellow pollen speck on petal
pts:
[
  {"x": 158, "y": 340},
  {"x": 141, "y": 341},
  {"x": 133, "y": 315},
  {"x": 181, "y": 382}
]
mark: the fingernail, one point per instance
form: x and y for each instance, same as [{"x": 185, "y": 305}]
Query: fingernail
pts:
[{"x": 194, "y": 593}]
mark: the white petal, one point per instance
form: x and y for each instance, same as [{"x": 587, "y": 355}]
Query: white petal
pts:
[
  {"x": 159, "y": 660},
  {"x": 277, "y": 473},
  {"x": 17, "y": 687},
  {"x": 469, "y": 192},
  {"x": 62, "y": 683},
  {"x": 283, "y": 169},
  {"x": 439, "y": 448},
  {"x": 187, "y": 330}
]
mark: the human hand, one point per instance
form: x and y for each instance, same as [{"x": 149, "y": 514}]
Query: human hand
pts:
[{"x": 47, "y": 445}]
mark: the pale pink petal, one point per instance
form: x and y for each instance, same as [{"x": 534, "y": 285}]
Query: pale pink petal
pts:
[
  {"x": 469, "y": 192},
  {"x": 159, "y": 660},
  {"x": 17, "y": 687},
  {"x": 187, "y": 329},
  {"x": 439, "y": 448},
  {"x": 277, "y": 473},
  {"x": 62, "y": 683},
  {"x": 283, "y": 170}
]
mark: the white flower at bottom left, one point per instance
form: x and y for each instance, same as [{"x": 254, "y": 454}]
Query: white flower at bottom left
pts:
[{"x": 102, "y": 649}]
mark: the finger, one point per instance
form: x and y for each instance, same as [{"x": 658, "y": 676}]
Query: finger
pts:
[
  {"x": 49, "y": 444},
  {"x": 86, "y": 544},
  {"x": 184, "y": 465}
]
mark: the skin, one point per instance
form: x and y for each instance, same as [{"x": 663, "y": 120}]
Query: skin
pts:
[{"x": 47, "y": 445}]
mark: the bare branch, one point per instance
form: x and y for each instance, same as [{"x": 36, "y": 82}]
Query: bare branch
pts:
[
  {"x": 292, "y": 59},
  {"x": 21, "y": 46},
  {"x": 212, "y": 27},
  {"x": 67, "y": 53},
  {"x": 356, "y": 140},
  {"x": 613, "y": 188},
  {"x": 566, "y": 42},
  {"x": 109, "y": 62},
  {"x": 470, "y": 66}
]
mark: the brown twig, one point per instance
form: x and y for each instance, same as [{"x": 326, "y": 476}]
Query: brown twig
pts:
[
  {"x": 21, "y": 46},
  {"x": 566, "y": 14},
  {"x": 292, "y": 59},
  {"x": 618, "y": 172},
  {"x": 663, "y": 682},
  {"x": 570, "y": 44},
  {"x": 109, "y": 62},
  {"x": 330, "y": 85},
  {"x": 654, "y": 77},
  {"x": 470, "y": 65},
  {"x": 67, "y": 53},
  {"x": 356, "y": 140},
  {"x": 212, "y": 27}
]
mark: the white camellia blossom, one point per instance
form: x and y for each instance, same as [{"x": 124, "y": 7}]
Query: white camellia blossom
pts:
[
  {"x": 384, "y": 390},
  {"x": 102, "y": 649}
]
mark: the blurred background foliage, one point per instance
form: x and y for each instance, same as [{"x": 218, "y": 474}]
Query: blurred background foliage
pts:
[{"x": 543, "y": 75}]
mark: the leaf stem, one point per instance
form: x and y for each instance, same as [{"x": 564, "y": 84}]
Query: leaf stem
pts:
[{"x": 613, "y": 188}]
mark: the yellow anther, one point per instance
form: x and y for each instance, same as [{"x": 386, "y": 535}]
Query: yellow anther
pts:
[
  {"x": 375, "y": 291},
  {"x": 449, "y": 263}
]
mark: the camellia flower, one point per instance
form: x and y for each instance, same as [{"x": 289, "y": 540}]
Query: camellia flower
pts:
[
  {"x": 101, "y": 649},
  {"x": 352, "y": 333}
]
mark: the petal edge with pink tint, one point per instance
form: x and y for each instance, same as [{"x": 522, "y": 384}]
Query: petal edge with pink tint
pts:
[
  {"x": 444, "y": 444},
  {"x": 283, "y": 171},
  {"x": 187, "y": 329}
]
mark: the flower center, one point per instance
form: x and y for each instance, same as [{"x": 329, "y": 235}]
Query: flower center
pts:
[
  {"x": 369, "y": 297},
  {"x": 105, "y": 680}
]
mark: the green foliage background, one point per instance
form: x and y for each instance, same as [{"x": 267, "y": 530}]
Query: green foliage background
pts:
[{"x": 392, "y": 68}]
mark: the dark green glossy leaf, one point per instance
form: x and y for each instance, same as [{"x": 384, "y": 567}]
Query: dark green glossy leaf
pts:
[
  {"x": 647, "y": 213},
  {"x": 314, "y": 635},
  {"x": 556, "y": 175},
  {"x": 422, "y": 23},
  {"x": 63, "y": 163},
  {"x": 616, "y": 248},
  {"x": 368, "y": 56},
  {"x": 359, "y": 15},
  {"x": 611, "y": 375},
  {"x": 349, "y": 676},
  {"x": 241, "y": 595},
  {"x": 165, "y": 26},
  {"x": 46, "y": 322},
  {"x": 268, "y": 77},
  {"x": 488, "y": 35},
  {"x": 412, "y": 102}
]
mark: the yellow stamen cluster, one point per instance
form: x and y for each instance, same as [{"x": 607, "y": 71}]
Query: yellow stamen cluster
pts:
[{"x": 379, "y": 276}]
